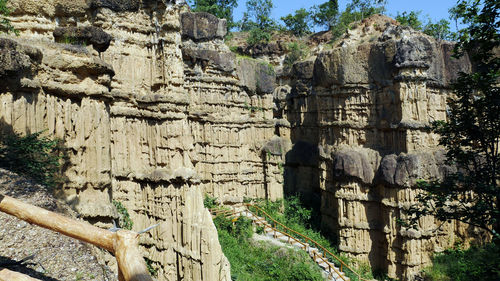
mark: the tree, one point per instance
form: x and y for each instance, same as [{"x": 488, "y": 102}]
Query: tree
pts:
[
  {"x": 440, "y": 30},
  {"x": 325, "y": 14},
  {"x": 411, "y": 19},
  {"x": 367, "y": 7},
  {"x": 219, "y": 8},
  {"x": 355, "y": 11},
  {"x": 299, "y": 23},
  {"x": 471, "y": 135},
  {"x": 258, "y": 15},
  {"x": 257, "y": 19}
]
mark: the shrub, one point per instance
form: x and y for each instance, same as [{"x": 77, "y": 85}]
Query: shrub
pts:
[
  {"x": 124, "y": 221},
  {"x": 34, "y": 156},
  {"x": 476, "y": 263},
  {"x": 257, "y": 36},
  {"x": 5, "y": 24},
  {"x": 258, "y": 261},
  {"x": 292, "y": 213},
  {"x": 210, "y": 202},
  {"x": 296, "y": 52}
]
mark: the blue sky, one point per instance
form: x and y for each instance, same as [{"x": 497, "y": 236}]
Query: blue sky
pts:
[{"x": 435, "y": 9}]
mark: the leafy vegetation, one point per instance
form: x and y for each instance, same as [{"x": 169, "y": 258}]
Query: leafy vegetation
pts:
[
  {"x": 365, "y": 8},
  {"x": 125, "y": 221},
  {"x": 151, "y": 268},
  {"x": 296, "y": 51},
  {"x": 252, "y": 260},
  {"x": 325, "y": 14},
  {"x": 219, "y": 8},
  {"x": 5, "y": 24},
  {"x": 355, "y": 11},
  {"x": 457, "y": 264},
  {"x": 257, "y": 20},
  {"x": 33, "y": 155},
  {"x": 440, "y": 30},
  {"x": 296, "y": 216},
  {"x": 209, "y": 202},
  {"x": 471, "y": 134},
  {"x": 299, "y": 23}
]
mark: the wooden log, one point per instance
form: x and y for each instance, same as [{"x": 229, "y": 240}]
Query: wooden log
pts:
[
  {"x": 8, "y": 275},
  {"x": 123, "y": 243},
  {"x": 131, "y": 264},
  {"x": 77, "y": 229}
]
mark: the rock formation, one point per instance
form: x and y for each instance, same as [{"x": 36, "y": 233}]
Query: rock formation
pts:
[
  {"x": 362, "y": 110},
  {"x": 155, "y": 111}
]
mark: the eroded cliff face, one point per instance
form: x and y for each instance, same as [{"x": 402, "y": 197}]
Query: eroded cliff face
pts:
[
  {"x": 362, "y": 110},
  {"x": 154, "y": 111}
]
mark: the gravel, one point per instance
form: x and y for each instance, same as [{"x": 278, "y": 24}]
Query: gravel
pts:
[{"x": 55, "y": 256}]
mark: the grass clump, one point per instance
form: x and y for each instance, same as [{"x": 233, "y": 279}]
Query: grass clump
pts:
[
  {"x": 33, "y": 155},
  {"x": 257, "y": 261},
  {"x": 457, "y": 264}
]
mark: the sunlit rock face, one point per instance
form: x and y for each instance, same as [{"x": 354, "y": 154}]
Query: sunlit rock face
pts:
[
  {"x": 360, "y": 115},
  {"x": 154, "y": 111}
]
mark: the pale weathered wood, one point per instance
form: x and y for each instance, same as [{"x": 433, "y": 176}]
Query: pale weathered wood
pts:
[
  {"x": 7, "y": 275},
  {"x": 53, "y": 221},
  {"x": 123, "y": 243},
  {"x": 131, "y": 264}
]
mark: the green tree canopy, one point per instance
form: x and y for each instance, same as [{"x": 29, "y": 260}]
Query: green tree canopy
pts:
[
  {"x": 471, "y": 134},
  {"x": 299, "y": 23},
  {"x": 258, "y": 15},
  {"x": 257, "y": 19},
  {"x": 411, "y": 19},
  {"x": 366, "y": 8},
  {"x": 219, "y": 8},
  {"x": 440, "y": 30},
  {"x": 325, "y": 14}
]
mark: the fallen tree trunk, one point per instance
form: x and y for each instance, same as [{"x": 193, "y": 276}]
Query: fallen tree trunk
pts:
[
  {"x": 7, "y": 275},
  {"x": 123, "y": 243}
]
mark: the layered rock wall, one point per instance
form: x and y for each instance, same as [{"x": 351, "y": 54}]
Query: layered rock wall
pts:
[
  {"x": 363, "y": 111},
  {"x": 154, "y": 112}
]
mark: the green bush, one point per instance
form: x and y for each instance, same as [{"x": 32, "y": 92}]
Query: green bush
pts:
[
  {"x": 296, "y": 52},
  {"x": 210, "y": 202},
  {"x": 34, "y": 156},
  {"x": 258, "y": 261},
  {"x": 292, "y": 213},
  {"x": 457, "y": 264},
  {"x": 5, "y": 24},
  {"x": 258, "y": 36},
  {"x": 124, "y": 221}
]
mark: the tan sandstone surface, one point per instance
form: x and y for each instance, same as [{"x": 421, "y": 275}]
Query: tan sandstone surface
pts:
[{"x": 155, "y": 111}]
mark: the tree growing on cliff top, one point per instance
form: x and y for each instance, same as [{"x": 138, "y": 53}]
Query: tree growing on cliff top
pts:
[
  {"x": 257, "y": 19},
  {"x": 298, "y": 23},
  {"x": 326, "y": 14},
  {"x": 440, "y": 29},
  {"x": 219, "y": 8},
  {"x": 471, "y": 134}
]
